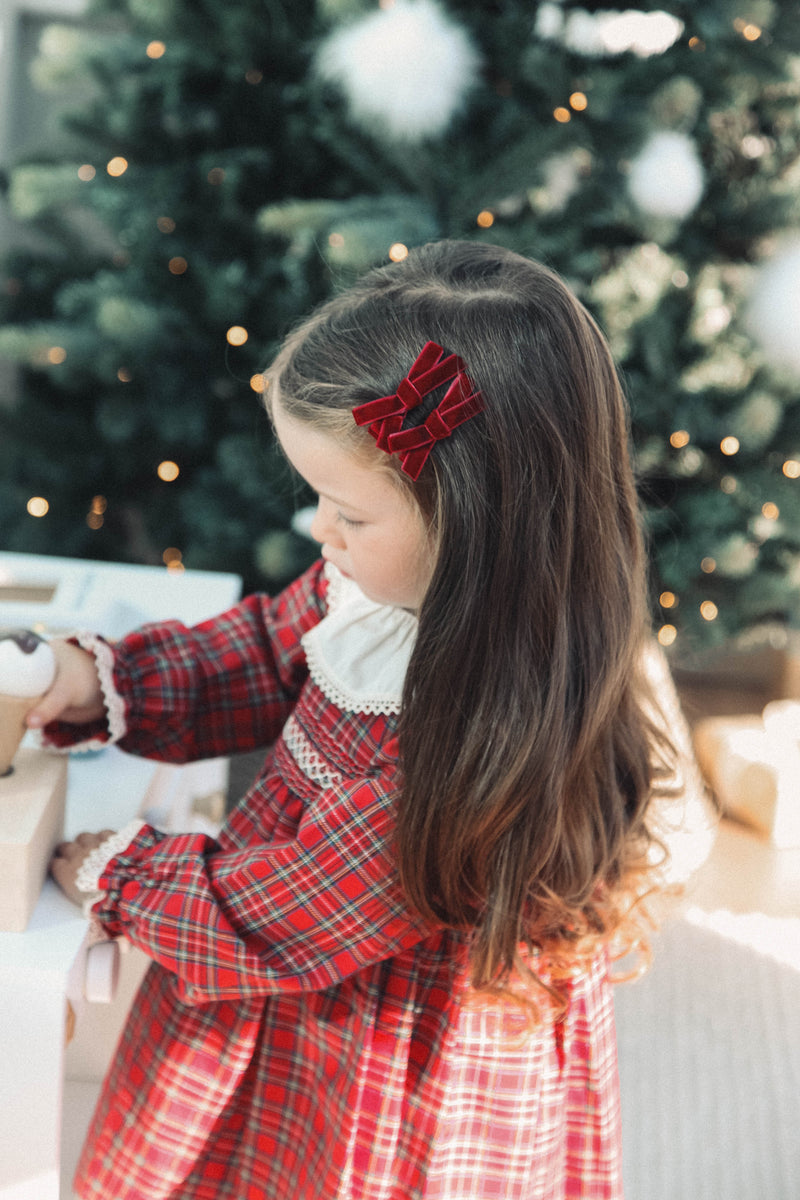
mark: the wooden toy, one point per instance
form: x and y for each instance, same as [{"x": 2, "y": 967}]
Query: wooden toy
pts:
[
  {"x": 33, "y": 783},
  {"x": 32, "y": 801}
]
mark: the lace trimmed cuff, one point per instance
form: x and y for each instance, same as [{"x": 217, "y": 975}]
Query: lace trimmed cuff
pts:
[
  {"x": 93, "y": 866},
  {"x": 115, "y": 724},
  {"x": 95, "y": 863}
]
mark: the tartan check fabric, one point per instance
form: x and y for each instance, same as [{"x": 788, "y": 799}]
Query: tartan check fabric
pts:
[{"x": 300, "y": 1035}]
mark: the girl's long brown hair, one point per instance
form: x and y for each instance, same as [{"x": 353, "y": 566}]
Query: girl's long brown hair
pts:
[{"x": 528, "y": 761}]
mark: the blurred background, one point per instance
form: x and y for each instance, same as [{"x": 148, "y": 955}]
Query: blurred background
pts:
[{"x": 183, "y": 179}]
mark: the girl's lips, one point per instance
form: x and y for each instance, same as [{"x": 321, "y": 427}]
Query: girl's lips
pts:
[{"x": 341, "y": 570}]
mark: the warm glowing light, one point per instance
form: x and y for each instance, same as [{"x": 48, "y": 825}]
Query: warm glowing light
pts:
[
  {"x": 37, "y": 506},
  {"x": 86, "y": 172},
  {"x": 259, "y": 383},
  {"x": 124, "y": 375},
  {"x": 791, "y": 468},
  {"x": 679, "y": 438},
  {"x": 56, "y": 354},
  {"x": 99, "y": 504},
  {"x": 117, "y": 166},
  {"x": 397, "y": 252},
  {"x": 754, "y": 147},
  {"x": 485, "y": 219},
  {"x": 729, "y": 484},
  {"x": 777, "y": 938},
  {"x": 237, "y": 335},
  {"x": 667, "y": 635},
  {"x": 578, "y": 101},
  {"x": 696, "y": 43},
  {"x": 667, "y": 599},
  {"x": 168, "y": 470},
  {"x": 254, "y": 76},
  {"x": 770, "y": 511},
  {"x": 173, "y": 559},
  {"x": 178, "y": 265},
  {"x": 751, "y": 32},
  {"x": 336, "y": 240},
  {"x": 729, "y": 445},
  {"x": 216, "y": 175},
  {"x": 708, "y": 565},
  {"x": 95, "y": 520},
  {"x": 155, "y": 49},
  {"x": 562, "y": 115},
  {"x": 709, "y": 610},
  {"x": 166, "y": 224}
]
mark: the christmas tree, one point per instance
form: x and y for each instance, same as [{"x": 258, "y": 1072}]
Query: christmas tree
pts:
[{"x": 243, "y": 160}]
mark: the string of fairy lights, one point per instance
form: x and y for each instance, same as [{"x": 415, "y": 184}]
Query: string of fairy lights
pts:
[{"x": 168, "y": 471}]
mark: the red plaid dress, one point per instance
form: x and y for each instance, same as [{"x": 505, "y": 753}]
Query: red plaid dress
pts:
[{"x": 300, "y": 1035}]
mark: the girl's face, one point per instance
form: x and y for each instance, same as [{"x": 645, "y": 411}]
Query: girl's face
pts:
[{"x": 369, "y": 528}]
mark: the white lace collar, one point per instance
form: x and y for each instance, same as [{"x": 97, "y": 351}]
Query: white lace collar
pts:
[{"x": 358, "y": 654}]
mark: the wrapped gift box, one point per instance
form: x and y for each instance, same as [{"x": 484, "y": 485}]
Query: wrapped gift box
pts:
[{"x": 752, "y": 763}]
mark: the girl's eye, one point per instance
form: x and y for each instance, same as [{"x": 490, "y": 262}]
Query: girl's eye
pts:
[{"x": 346, "y": 521}]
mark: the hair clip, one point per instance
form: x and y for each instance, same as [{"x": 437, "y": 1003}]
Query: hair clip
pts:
[
  {"x": 384, "y": 417},
  {"x": 413, "y": 446}
]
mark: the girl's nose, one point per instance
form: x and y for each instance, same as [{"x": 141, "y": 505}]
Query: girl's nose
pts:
[{"x": 323, "y": 527}]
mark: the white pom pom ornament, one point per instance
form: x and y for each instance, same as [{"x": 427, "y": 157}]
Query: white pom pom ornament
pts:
[
  {"x": 773, "y": 314},
  {"x": 666, "y": 178},
  {"x": 407, "y": 67}
]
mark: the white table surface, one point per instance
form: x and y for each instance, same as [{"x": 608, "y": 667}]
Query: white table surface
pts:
[{"x": 105, "y": 790}]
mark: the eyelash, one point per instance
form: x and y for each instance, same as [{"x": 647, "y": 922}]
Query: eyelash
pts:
[{"x": 346, "y": 521}]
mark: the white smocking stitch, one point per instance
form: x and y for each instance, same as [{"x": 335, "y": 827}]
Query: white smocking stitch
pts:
[{"x": 313, "y": 765}]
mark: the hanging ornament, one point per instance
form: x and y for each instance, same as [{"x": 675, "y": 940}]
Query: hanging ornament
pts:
[
  {"x": 773, "y": 314},
  {"x": 666, "y": 177},
  {"x": 600, "y": 34},
  {"x": 406, "y": 69}
]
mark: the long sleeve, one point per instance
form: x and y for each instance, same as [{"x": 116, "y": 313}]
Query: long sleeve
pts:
[
  {"x": 223, "y": 686},
  {"x": 282, "y": 916}
]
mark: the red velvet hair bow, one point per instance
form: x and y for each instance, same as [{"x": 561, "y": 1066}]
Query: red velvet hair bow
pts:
[
  {"x": 457, "y": 406},
  {"x": 384, "y": 417}
]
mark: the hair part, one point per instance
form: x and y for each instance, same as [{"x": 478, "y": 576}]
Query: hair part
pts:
[{"x": 528, "y": 761}]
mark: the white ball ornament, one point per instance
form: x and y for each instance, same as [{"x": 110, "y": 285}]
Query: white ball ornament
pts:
[
  {"x": 666, "y": 177},
  {"x": 773, "y": 312},
  {"x": 406, "y": 68}
]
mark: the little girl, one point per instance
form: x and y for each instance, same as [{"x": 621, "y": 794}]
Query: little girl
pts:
[{"x": 388, "y": 977}]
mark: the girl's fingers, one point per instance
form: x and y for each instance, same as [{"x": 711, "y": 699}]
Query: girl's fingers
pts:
[
  {"x": 80, "y": 846},
  {"x": 75, "y": 694},
  {"x": 90, "y": 841},
  {"x": 50, "y": 707},
  {"x": 68, "y": 858}
]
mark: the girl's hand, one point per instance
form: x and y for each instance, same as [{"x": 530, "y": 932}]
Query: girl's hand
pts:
[
  {"x": 68, "y": 859},
  {"x": 75, "y": 695}
]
